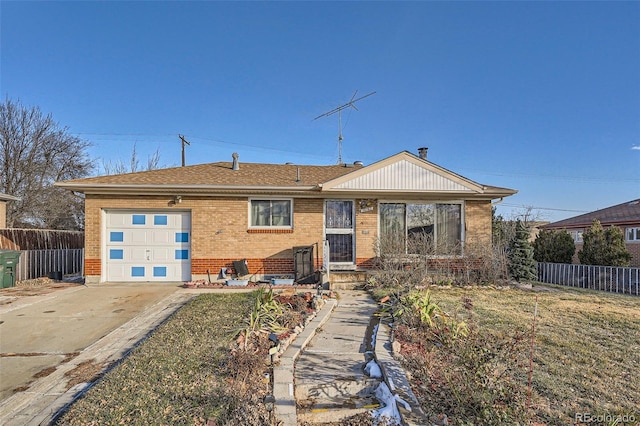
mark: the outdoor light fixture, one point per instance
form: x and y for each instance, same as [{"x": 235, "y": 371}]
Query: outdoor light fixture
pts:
[
  {"x": 275, "y": 346},
  {"x": 269, "y": 402},
  {"x": 178, "y": 199}
]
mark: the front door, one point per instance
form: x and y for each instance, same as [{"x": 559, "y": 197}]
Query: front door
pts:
[{"x": 339, "y": 231}]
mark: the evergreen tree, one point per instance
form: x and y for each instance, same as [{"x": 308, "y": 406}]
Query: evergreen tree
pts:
[
  {"x": 604, "y": 247},
  {"x": 553, "y": 245},
  {"x": 618, "y": 255},
  {"x": 522, "y": 265}
]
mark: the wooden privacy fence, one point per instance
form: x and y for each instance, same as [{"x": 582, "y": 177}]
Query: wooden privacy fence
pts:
[
  {"x": 40, "y": 239},
  {"x": 40, "y": 263},
  {"x": 603, "y": 278}
]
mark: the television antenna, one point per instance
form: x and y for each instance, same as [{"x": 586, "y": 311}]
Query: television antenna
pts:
[{"x": 350, "y": 104}]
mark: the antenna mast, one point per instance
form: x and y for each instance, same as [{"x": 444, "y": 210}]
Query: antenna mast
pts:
[
  {"x": 339, "y": 111},
  {"x": 184, "y": 141}
]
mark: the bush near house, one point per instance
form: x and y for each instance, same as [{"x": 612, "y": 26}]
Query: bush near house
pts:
[{"x": 522, "y": 266}]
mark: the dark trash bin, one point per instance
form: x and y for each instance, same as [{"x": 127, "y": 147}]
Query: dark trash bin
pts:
[
  {"x": 55, "y": 275},
  {"x": 303, "y": 266},
  {"x": 9, "y": 260}
]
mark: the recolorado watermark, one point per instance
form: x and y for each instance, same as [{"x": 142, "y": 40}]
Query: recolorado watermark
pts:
[{"x": 615, "y": 419}]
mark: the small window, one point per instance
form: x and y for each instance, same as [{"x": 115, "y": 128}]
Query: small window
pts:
[
  {"x": 632, "y": 234},
  {"x": 577, "y": 235},
  {"x": 182, "y": 254},
  {"x": 116, "y": 237},
  {"x": 159, "y": 271},
  {"x": 271, "y": 213},
  {"x": 138, "y": 219},
  {"x": 116, "y": 254},
  {"x": 160, "y": 219},
  {"x": 182, "y": 237},
  {"x": 137, "y": 271}
]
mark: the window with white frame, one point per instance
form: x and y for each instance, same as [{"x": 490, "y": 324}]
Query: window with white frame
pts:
[
  {"x": 632, "y": 234},
  {"x": 270, "y": 213},
  {"x": 421, "y": 228},
  {"x": 576, "y": 234}
]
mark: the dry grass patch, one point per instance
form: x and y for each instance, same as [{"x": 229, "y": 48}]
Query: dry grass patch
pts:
[
  {"x": 586, "y": 359},
  {"x": 183, "y": 374}
]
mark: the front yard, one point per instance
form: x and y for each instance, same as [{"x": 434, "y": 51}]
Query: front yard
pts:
[
  {"x": 586, "y": 360},
  {"x": 183, "y": 374}
]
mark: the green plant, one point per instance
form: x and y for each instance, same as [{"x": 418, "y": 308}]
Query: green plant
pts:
[
  {"x": 522, "y": 266},
  {"x": 265, "y": 316},
  {"x": 416, "y": 309},
  {"x": 552, "y": 245},
  {"x": 604, "y": 247}
]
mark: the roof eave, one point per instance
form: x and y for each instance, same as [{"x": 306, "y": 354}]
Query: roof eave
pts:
[{"x": 172, "y": 189}]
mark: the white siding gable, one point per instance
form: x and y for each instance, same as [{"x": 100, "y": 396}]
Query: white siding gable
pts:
[{"x": 404, "y": 175}]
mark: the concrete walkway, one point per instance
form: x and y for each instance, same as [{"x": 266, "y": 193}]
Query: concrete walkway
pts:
[{"x": 322, "y": 379}]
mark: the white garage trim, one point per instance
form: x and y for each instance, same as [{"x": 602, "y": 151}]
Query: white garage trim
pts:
[{"x": 146, "y": 245}]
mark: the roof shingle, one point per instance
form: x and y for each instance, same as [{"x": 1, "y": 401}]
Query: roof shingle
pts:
[{"x": 624, "y": 213}]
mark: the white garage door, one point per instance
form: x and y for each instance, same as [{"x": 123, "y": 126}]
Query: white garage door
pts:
[{"x": 148, "y": 245}]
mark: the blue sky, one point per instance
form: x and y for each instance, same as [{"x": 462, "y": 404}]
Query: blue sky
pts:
[{"x": 542, "y": 97}]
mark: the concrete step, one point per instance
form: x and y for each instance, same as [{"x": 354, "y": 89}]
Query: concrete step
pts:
[
  {"x": 337, "y": 391},
  {"x": 330, "y": 402},
  {"x": 346, "y": 285},
  {"x": 334, "y": 413}
]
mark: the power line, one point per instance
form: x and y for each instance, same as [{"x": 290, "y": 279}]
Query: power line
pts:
[{"x": 524, "y": 206}]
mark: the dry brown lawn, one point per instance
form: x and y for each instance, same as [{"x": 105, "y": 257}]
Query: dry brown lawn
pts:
[{"x": 587, "y": 346}]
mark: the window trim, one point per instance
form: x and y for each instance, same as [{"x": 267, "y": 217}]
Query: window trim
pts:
[
  {"x": 637, "y": 234},
  {"x": 269, "y": 227},
  {"x": 462, "y": 205}
]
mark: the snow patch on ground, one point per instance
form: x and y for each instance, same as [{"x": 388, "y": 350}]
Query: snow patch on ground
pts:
[
  {"x": 372, "y": 369},
  {"x": 388, "y": 413}
]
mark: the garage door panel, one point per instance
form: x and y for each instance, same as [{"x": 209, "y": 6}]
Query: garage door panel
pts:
[
  {"x": 139, "y": 236},
  {"x": 138, "y": 254},
  {"x": 162, "y": 237},
  {"x": 162, "y": 254}
]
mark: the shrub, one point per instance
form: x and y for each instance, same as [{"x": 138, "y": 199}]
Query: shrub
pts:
[
  {"x": 522, "y": 266},
  {"x": 553, "y": 245},
  {"x": 603, "y": 247}
]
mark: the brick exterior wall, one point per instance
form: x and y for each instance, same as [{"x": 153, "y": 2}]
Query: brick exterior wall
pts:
[
  {"x": 220, "y": 233},
  {"x": 478, "y": 223},
  {"x": 634, "y": 249}
]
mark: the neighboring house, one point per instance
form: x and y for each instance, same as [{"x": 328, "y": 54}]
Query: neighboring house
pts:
[
  {"x": 625, "y": 216},
  {"x": 180, "y": 223},
  {"x": 4, "y": 198}
]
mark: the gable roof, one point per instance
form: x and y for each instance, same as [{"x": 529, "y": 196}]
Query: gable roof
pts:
[
  {"x": 621, "y": 214},
  {"x": 401, "y": 173}
]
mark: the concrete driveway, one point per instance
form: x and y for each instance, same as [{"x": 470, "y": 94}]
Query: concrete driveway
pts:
[{"x": 38, "y": 333}]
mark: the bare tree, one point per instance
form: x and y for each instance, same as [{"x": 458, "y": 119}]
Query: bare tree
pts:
[
  {"x": 120, "y": 167},
  {"x": 35, "y": 153}
]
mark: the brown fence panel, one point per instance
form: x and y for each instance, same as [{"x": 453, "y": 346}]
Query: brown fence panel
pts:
[{"x": 40, "y": 239}]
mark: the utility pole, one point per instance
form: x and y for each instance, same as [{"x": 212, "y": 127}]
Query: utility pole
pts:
[{"x": 184, "y": 141}]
